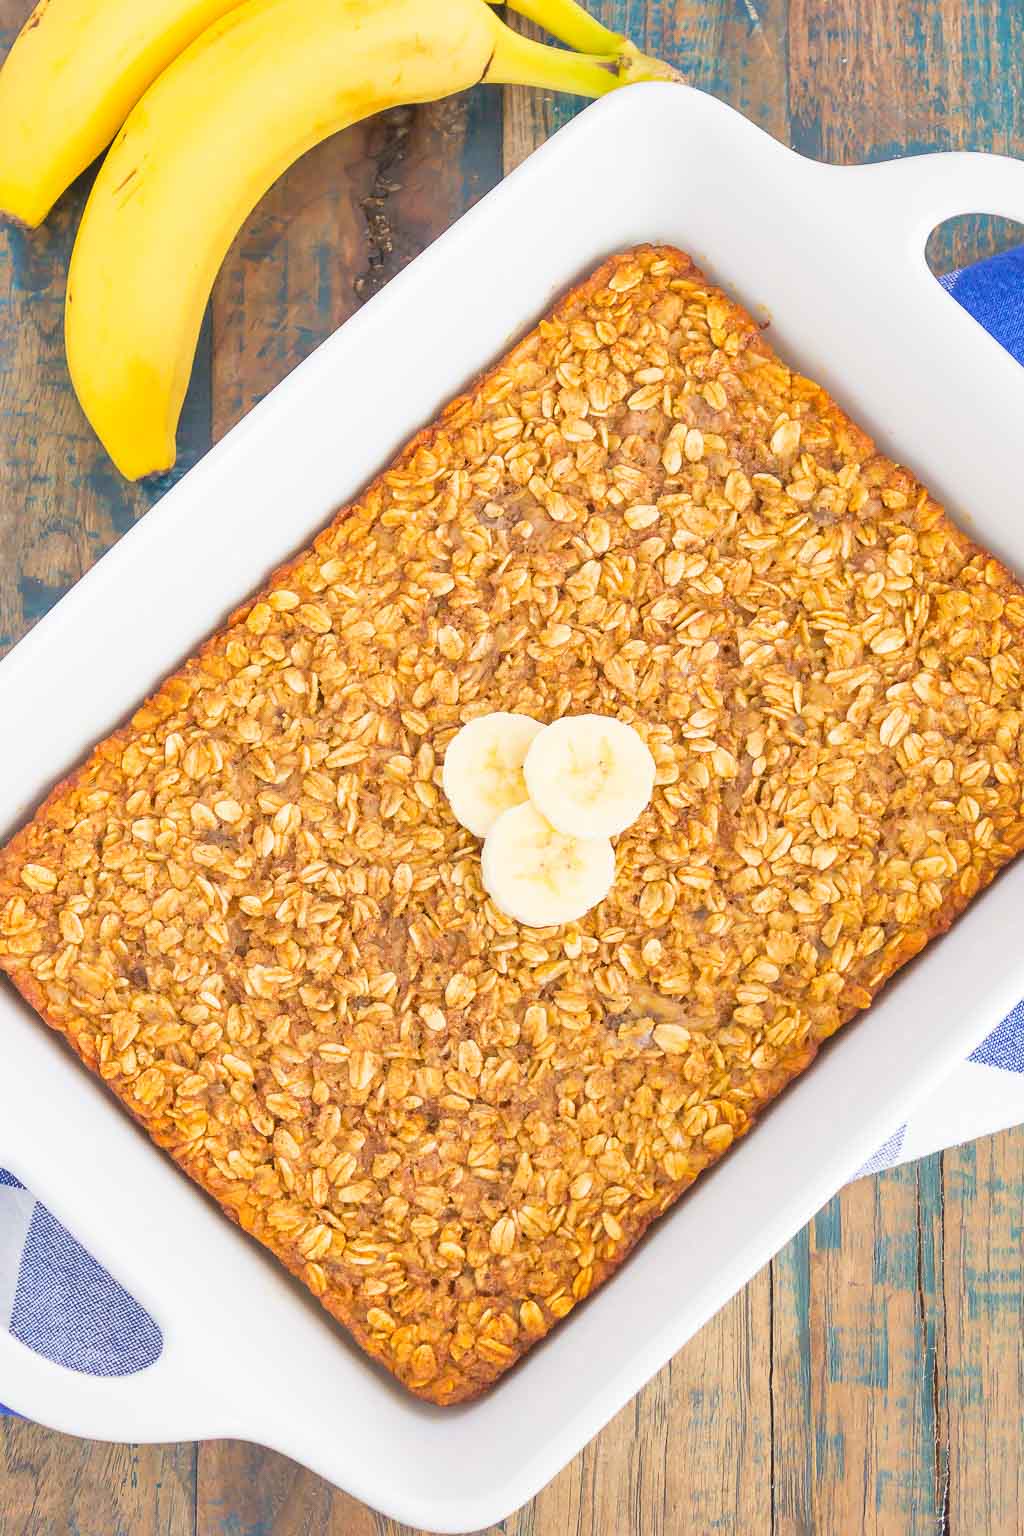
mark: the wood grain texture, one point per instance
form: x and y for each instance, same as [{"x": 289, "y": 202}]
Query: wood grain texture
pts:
[
  {"x": 983, "y": 1188},
  {"x": 877, "y": 1370},
  {"x": 244, "y": 1490},
  {"x": 51, "y": 1485},
  {"x": 868, "y": 1381},
  {"x": 794, "y": 1481}
]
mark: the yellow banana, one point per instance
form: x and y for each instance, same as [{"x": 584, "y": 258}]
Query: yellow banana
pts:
[
  {"x": 569, "y": 21},
  {"x": 262, "y": 85},
  {"x": 74, "y": 73}
]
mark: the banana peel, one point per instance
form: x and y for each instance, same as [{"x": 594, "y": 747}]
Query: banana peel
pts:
[{"x": 73, "y": 74}]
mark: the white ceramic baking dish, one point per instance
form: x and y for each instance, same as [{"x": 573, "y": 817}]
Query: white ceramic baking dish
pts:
[{"x": 835, "y": 257}]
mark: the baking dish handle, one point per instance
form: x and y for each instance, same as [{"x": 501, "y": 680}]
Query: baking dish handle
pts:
[
  {"x": 174, "y": 1398},
  {"x": 166, "y": 1401},
  {"x": 924, "y": 190}
]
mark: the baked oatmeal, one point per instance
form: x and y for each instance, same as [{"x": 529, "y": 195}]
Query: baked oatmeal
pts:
[{"x": 253, "y": 913}]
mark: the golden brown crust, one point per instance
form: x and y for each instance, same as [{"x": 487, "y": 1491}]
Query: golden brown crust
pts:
[{"x": 449, "y": 1127}]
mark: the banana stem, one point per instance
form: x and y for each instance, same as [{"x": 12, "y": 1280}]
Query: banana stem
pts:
[
  {"x": 519, "y": 60},
  {"x": 635, "y": 66},
  {"x": 568, "y": 21}
]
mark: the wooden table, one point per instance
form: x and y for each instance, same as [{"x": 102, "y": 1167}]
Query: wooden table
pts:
[{"x": 871, "y": 1380}]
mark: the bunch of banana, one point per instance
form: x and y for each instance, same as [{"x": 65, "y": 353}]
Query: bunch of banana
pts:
[{"x": 217, "y": 98}]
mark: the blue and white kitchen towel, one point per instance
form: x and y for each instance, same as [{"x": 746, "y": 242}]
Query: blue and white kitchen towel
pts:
[{"x": 55, "y": 1298}]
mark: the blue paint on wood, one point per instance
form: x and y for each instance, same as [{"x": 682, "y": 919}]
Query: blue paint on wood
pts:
[
  {"x": 794, "y": 1453},
  {"x": 894, "y": 1261},
  {"x": 828, "y": 1226},
  {"x": 883, "y": 1482},
  {"x": 111, "y": 491},
  {"x": 38, "y": 597},
  {"x": 230, "y": 1524},
  {"x": 326, "y": 261},
  {"x": 900, "y": 1258},
  {"x": 934, "y": 1448},
  {"x": 995, "y": 39},
  {"x": 481, "y": 159},
  {"x": 994, "y": 1293},
  {"x": 966, "y": 1384},
  {"x": 32, "y": 258},
  {"x": 961, "y": 1183},
  {"x": 829, "y": 1452},
  {"x": 930, "y": 1194},
  {"x": 868, "y": 1365},
  {"x": 705, "y": 1405},
  {"x": 795, "y": 1259},
  {"x": 833, "y": 1353}
]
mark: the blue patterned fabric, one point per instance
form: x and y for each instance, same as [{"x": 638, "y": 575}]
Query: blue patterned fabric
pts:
[
  {"x": 54, "y": 1296},
  {"x": 1004, "y": 1047},
  {"x": 993, "y": 291},
  {"x": 887, "y": 1155}
]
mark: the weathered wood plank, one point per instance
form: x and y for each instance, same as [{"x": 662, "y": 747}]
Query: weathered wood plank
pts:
[
  {"x": 244, "y": 1490},
  {"x": 51, "y": 1484},
  {"x": 877, "y": 1377},
  {"x": 983, "y": 1184},
  {"x": 793, "y": 1469},
  {"x": 736, "y": 50}
]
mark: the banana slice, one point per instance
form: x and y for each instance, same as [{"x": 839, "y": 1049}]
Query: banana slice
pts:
[
  {"x": 483, "y": 769},
  {"x": 589, "y": 775},
  {"x": 540, "y": 877}
]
